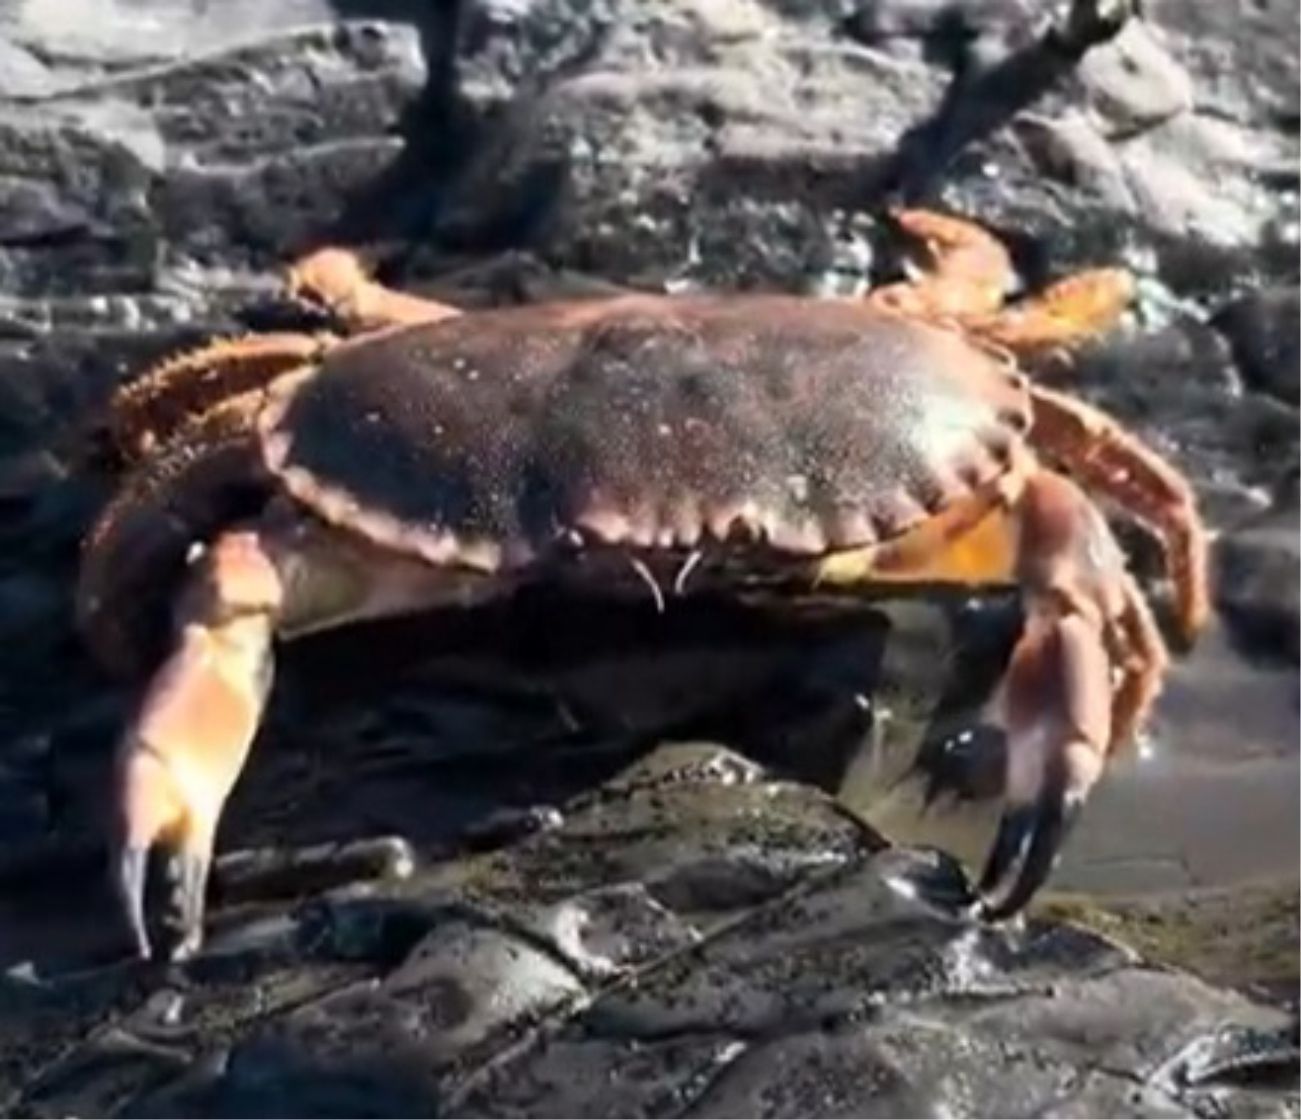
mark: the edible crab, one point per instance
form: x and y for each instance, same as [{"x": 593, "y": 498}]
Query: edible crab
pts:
[{"x": 419, "y": 457}]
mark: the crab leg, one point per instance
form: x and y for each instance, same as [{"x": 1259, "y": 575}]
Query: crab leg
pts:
[
  {"x": 334, "y": 278},
  {"x": 149, "y": 409},
  {"x": 185, "y": 749},
  {"x": 277, "y": 578},
  {"x": 1096, "y": 449},
  {"x": 1064, "y": 315},
  {"x": 967, "y": 271},
  {"x": 1084, "y": 618}
]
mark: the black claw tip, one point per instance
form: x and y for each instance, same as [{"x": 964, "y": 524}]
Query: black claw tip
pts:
[{"x": 1025, "y": 851}]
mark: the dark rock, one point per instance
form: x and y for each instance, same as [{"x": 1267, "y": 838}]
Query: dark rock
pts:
[
  {"x": 223, "y": 160},
  {"x": 840, "y": 994},
  {"x": 737, "y": 153},
  {"x": 1264, "y": 329},
  {"x": 1257, "y": 583}
]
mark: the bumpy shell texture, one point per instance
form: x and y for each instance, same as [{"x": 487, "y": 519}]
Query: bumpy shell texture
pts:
[{"x": 653, "y": 422}]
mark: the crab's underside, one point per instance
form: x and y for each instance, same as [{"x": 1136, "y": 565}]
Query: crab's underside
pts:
[{"x": 286, "y": 483}]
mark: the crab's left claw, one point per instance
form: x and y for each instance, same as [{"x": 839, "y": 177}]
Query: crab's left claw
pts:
[
  {"x": 1087, "y": 626},
  {"x": 186, "y": 747}
]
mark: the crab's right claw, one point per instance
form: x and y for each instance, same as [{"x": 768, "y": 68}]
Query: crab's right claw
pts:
[
  {"x": 1058, "y": 715},
  {"x": 1082, "y": 679}
]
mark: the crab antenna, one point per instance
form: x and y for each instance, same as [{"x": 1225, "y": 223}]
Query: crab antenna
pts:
[{"x": 644, "y": 572}]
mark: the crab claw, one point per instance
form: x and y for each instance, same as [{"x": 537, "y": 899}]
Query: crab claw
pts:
[
  {"x": 187, "y": 746},
  {"x": 157, "y": 810},
  {"x": 1058, "y": 715},
  {"x": 1062, "y": 710}
]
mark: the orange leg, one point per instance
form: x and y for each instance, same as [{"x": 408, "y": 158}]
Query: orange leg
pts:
[
  {"x": 335, "y": 279},
  {"x": 187, "y": 745},
  {"x": 1062, "y": 715},
  {"x": 966, "y": 271},
  {"x": 282, "y": 576},
  {"x": 150, "y": 408},
  {"x": 1064, "y": 315},
  {"x": 1095, "y": 448}
]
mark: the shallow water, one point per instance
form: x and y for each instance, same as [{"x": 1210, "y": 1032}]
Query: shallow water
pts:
[{"x": 1211, "y": 797}]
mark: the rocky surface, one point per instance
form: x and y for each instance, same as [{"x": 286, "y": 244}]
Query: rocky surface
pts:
[
  {"x": 693, "y": 939},
  {"x": 160, "y": 159}
]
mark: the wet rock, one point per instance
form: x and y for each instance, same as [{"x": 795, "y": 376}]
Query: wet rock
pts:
[
  {"x": 841, "y": 993},
  {"x": 608, "y": 930},
  {"x": 250, "y": 873},
  {"x": 745, "y": 1023},
  {"x": 505, "y": 825},
  {"x": 1263, "y": 328},
  {"x": 1256, "y": 583}
]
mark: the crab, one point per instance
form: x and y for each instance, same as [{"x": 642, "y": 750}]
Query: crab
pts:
[{"x": 419, "y": 457}]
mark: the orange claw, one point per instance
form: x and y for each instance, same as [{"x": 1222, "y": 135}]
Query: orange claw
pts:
[{"x": 187, "y": 745}]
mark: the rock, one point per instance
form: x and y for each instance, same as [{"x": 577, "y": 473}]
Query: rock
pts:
[
  {"x": 257, "y": 147},
  {"x": 1263, "y": 327},
  {"x": 936, "y": 19},
  {"x": 1243, "y": 63},
  {"x": 1123, "y": 138},
  {"x": 1133, "y": 83},
  {"x": 834, "y": 992},
  {"x": 93, "y": 37},
  {"x": 1243, "y": 938},
  {"x": 737, "y": 152},
  {"x": 1256, "y": 584},
  {"x": 22, "y": 74}
]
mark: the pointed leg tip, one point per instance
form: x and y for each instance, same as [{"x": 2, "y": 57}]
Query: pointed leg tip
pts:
[
  {"x": 1026, "y": 850},
  {"x": 186, "y": 948},
  {"x": 129, "y": 875}
]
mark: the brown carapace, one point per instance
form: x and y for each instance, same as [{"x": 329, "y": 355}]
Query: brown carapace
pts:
[{"x": 419, "y": 457}]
